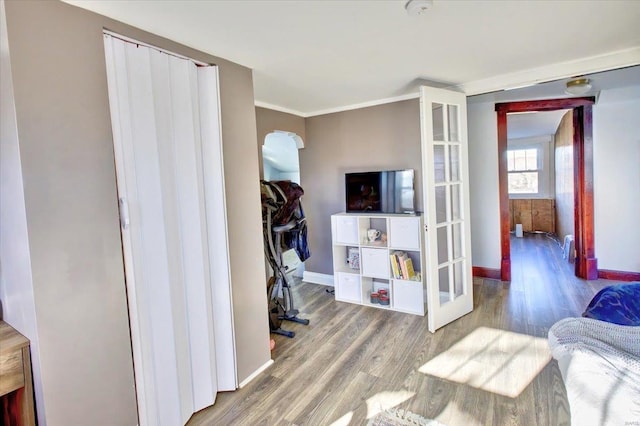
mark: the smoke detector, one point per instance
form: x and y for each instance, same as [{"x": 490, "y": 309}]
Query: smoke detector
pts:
[{"x": 418, "y": 7}]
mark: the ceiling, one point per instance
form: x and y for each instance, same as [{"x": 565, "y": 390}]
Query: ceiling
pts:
[
  {"x": 316, "y": 56},
  {"x": 521, "y": 126}
]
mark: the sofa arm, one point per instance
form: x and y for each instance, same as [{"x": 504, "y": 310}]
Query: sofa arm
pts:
[
  {"x": 600, "y": 367},
  {"x": 573, "y": 333}
]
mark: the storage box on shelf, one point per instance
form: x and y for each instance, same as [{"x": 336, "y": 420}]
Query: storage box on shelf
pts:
[{"x": 363, "y": 265}]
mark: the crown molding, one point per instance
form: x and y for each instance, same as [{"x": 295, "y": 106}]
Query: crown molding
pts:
[
  {"x": 365, "y": 104},
  {"x": 279, "y": 108},
  {"x": 339, "y": 109}
]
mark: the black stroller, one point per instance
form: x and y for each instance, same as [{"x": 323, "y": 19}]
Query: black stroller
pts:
[{"x": 283, "y": 227}]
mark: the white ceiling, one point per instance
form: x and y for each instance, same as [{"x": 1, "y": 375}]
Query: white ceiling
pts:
[
  {"x": 315, "y": 56},
  {"x": 534, "y": 124}
]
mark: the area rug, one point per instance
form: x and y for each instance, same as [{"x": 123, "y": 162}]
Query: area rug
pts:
[{"x": 399, "y": 417}]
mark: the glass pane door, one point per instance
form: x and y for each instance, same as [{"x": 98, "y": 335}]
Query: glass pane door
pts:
[
  {"x": 446, "y": 169},
  {"x": 443, "y": 118}
]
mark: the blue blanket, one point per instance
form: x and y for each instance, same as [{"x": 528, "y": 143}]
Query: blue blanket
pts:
[{"x": 618, "y": 304}]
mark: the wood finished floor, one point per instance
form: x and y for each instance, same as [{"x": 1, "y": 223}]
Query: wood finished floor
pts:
[{"x": 350, "y": 353}]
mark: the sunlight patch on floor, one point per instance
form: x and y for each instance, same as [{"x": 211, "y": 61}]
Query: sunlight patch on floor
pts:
[
  {"x": 378, "y": 403},
  {"x": 493, "y": 360},
  {"x": 385, "y": 400},
  {"x": 453, "y": 414},
  {"x": 344, "y": 420}
]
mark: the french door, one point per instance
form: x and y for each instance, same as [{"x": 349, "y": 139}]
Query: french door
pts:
[{"x": 443, "y": 118}]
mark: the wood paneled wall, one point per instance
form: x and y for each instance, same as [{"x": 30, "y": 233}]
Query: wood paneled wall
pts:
[
  {"x": 534, "y": 214},
  {"x": 564, "y": 176}
]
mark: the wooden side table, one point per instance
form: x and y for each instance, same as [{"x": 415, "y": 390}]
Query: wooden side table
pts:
[{"x": 16, "y": 385}]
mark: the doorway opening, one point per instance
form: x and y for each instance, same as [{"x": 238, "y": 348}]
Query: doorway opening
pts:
[
  {"x": 280, "y": 159},
  {"x": 584, "y": 242},
  {"x": 540, "y": 184}
]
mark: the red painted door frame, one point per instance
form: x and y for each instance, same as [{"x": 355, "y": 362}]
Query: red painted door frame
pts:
[{"x": 586, "y": 262}]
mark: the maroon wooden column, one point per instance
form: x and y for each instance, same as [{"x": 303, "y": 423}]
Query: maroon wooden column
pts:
[
  {"x": 586, "y": 265},
  {"x": 503, "y": 194}
]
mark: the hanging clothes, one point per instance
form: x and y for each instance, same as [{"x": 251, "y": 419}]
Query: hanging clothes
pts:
[{"x": 283, "y": 199}]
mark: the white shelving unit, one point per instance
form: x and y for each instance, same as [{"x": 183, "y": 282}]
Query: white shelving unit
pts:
[{"x": 355, "y": 281}]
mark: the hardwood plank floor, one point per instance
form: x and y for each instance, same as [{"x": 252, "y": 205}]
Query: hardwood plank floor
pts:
[{"x": 352, "y": 361}]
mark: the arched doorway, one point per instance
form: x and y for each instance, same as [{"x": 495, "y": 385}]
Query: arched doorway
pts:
[{"x": 280, "y": 160}]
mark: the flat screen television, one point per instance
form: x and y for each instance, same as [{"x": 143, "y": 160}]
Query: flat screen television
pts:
[{"x": 389, "y": 191}]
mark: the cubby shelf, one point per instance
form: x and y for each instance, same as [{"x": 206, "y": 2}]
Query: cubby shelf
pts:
[{"x": 362, "y": 266}]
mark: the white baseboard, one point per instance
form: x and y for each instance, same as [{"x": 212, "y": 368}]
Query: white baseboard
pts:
[
  {"x": 255, "y": 374},
  {"x": 317, "y": 278}
]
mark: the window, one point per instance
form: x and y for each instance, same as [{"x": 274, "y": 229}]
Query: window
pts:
[{"x": 523, "y": 166}]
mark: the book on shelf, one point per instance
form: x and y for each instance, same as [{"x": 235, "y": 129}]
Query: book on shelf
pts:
[
  {"x": 397, "y": 264},
  {"x": 394, "y": 265},
  {"x": 411, "y": 273},
  {"x": 403, "y": 265}
]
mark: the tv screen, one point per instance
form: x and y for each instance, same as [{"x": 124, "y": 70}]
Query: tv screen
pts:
[{"x": 388, "y": 191}]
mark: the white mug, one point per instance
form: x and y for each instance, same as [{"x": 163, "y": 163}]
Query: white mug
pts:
[{"x": 373, "y": 234}]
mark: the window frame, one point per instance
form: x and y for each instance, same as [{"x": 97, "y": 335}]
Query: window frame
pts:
[
  {"x": 538, "y": 170},
  {"x": 545, "y": 145}
]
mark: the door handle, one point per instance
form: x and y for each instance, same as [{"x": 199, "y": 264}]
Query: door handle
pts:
[{"x": 124, "y": 212}]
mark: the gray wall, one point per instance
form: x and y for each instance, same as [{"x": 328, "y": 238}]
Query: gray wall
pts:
[
  {"x": 616, "y": 160},
  {"x": 383, "y": 137},
  {"x": 64, "y": 129},
  {"x": 483, "y": 184},
  {"x": 16, "y": 284},
  {"x": 268, "y": 120}
]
